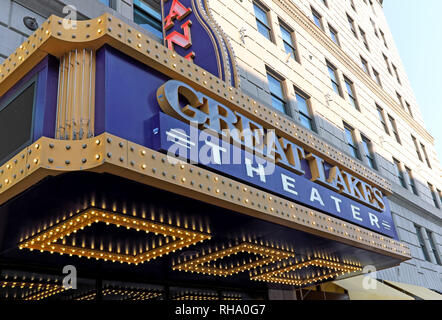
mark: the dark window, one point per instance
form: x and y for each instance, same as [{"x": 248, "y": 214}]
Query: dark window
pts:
[
  {"x": 440, "y": 195},
  {"x": 400, "y": 173},
  {"x": 433, "y": 195},
  {"x": 368, "y": 152},
  {"x": 262, "y": 21},
  {"x": 334, "y": 78},
  {"x": 317, "y": 18},
  {"x": 424, "y": 150},
  {"x": 416, "y": 146},
  {"x": 394, "y": 128},
  {"x": 401, "y": 102},
  {"x": 352, "y": 26},
  {"x": 352, "y": 3},
  {"x": 383, "y": 38},
  {"x": 411, "y": 180},
  {"x": 352, "y": 146},
  {"x": 148, "y": 15},
  {"x": 277, "y": 93},
  {"x": 364, "y": 38},
  {"x": 325, "y": 2},
  {"x": 365, "y": 66},
  {"x": 382, "y": 119},
  {"x": 351, "y": 93},
  {"x": 288, "y": 42},
  {"x": 377, "y": 77},
  {"x": 387, "y": 63},
  {"x": 422, "y": 243},
  {"x": 396, "y": 73},
  {"x": 302, "y": 102},
  {"x": 433, "y": 247},
  {"x": 409, "y": 108},
  {"x": 374, "y": 28},
  {"x": 109, "y": 3},
  {"x": 334, "y": 35},
  {"x": 16, "y": 123}
]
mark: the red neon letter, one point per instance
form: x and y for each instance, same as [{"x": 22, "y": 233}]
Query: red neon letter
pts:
[
  {"x": 184, "y": 41},
  {"x": 177, "y": 11}
]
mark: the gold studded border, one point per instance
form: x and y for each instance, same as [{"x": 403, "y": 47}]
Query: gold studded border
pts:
[
  {"x": 114, "y": 155},
  {"x": 53, "y": 39}
]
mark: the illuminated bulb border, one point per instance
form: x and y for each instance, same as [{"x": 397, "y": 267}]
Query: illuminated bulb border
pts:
[
  {"x": 275, "y": 275},
  {"x": 47, "y": 239},
  {"x": 269, "y": 255}
]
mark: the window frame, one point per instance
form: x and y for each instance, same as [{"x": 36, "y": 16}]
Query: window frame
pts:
[
  {"x": 400, "y": 173},
  {"x": 411, "y": 181},
  {"x": 310, "y": 116},
  {"x": 382, "y": 119},
  {"x": 394, "y": 129},
  {"x": 268, "y": 26},
  {"x": 353, "y": 145},
  {"x": 138, "y": 6},
  {"x": 433, "y": 195},
  {"x": 318, "y": 16},
  {"x": 293, "y": 45},
  {"x": 284, "y": 99},
  {"x": 367, "y": 147},
  {"x": 22, "y": 88},
  {"x": 352, "y": 96},
  {"x": 421, "y": 242},
  {"x": 336, "y": 80}
]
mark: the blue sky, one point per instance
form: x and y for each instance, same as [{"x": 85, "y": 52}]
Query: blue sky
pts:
[{"x": 417, "y": 30}]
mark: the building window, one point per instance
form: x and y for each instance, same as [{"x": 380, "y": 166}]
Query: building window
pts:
[
  {"x": 440, "y": 195},
  {"x": 365, "y": 66},
  {"x": 352, "y": 26},
  {"x": 377, "y": 77},
  {"x": 416, "y": 146},
  {"x": 109, "y": 3},
  {"x": 351, "y": 93},
  {"x": 394, "y": 128},
  {"x": 396, "y": 72},
  {"x": 411, "y": 181},
  {"x": 16, "y": 121},
  {"x": 332, "y": 71},
  {"x": 325, "y": 2},
  {"x": 374, "y": 28},
  {"x": 289, "y": 44},
  {"x": 262, "y": 21},
  {"x": 409, "y": 108},
  {"x": 351, "y": 141},
  {"x": 277, "y": 93},
  {"x": 383, "y": 38},
  {"x": 368, "y": 152},
  {"x": 352, "y": 3},
  {"x": 382, "y": 119},
  {"x": 387, "y": 63},
  {"x": 364, "y": 38},
  {"x": 333, "y": 34},
  {"x": 424, "y": 150},
  {"x": 400, "y": 173},
  {"x": 303, "y": 104},
  {"x": 148, "y": 15},
  {"x": 401, "y": 102},
  {"x": 431, "y": 239},
  {"x": 317, "y": 18},
  {"x": 433, "y": 195},
  {"x": 422, "y": 242}
]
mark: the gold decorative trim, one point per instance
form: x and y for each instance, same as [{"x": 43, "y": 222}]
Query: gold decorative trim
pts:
[
  {"x": 53, "y": 39},
  {"x": 114, "y": 155},
  {"x": 49, "y": 239},
  {"x": 293, "y": 10},
  {"x": 201, "y": 264},
  {"x": 281, "y": 274}
]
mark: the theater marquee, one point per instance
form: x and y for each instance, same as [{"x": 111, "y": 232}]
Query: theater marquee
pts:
[{"x": 109, "y": 99}]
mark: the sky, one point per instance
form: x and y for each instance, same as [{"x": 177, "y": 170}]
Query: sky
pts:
[{"x": 417, "y": 30}]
